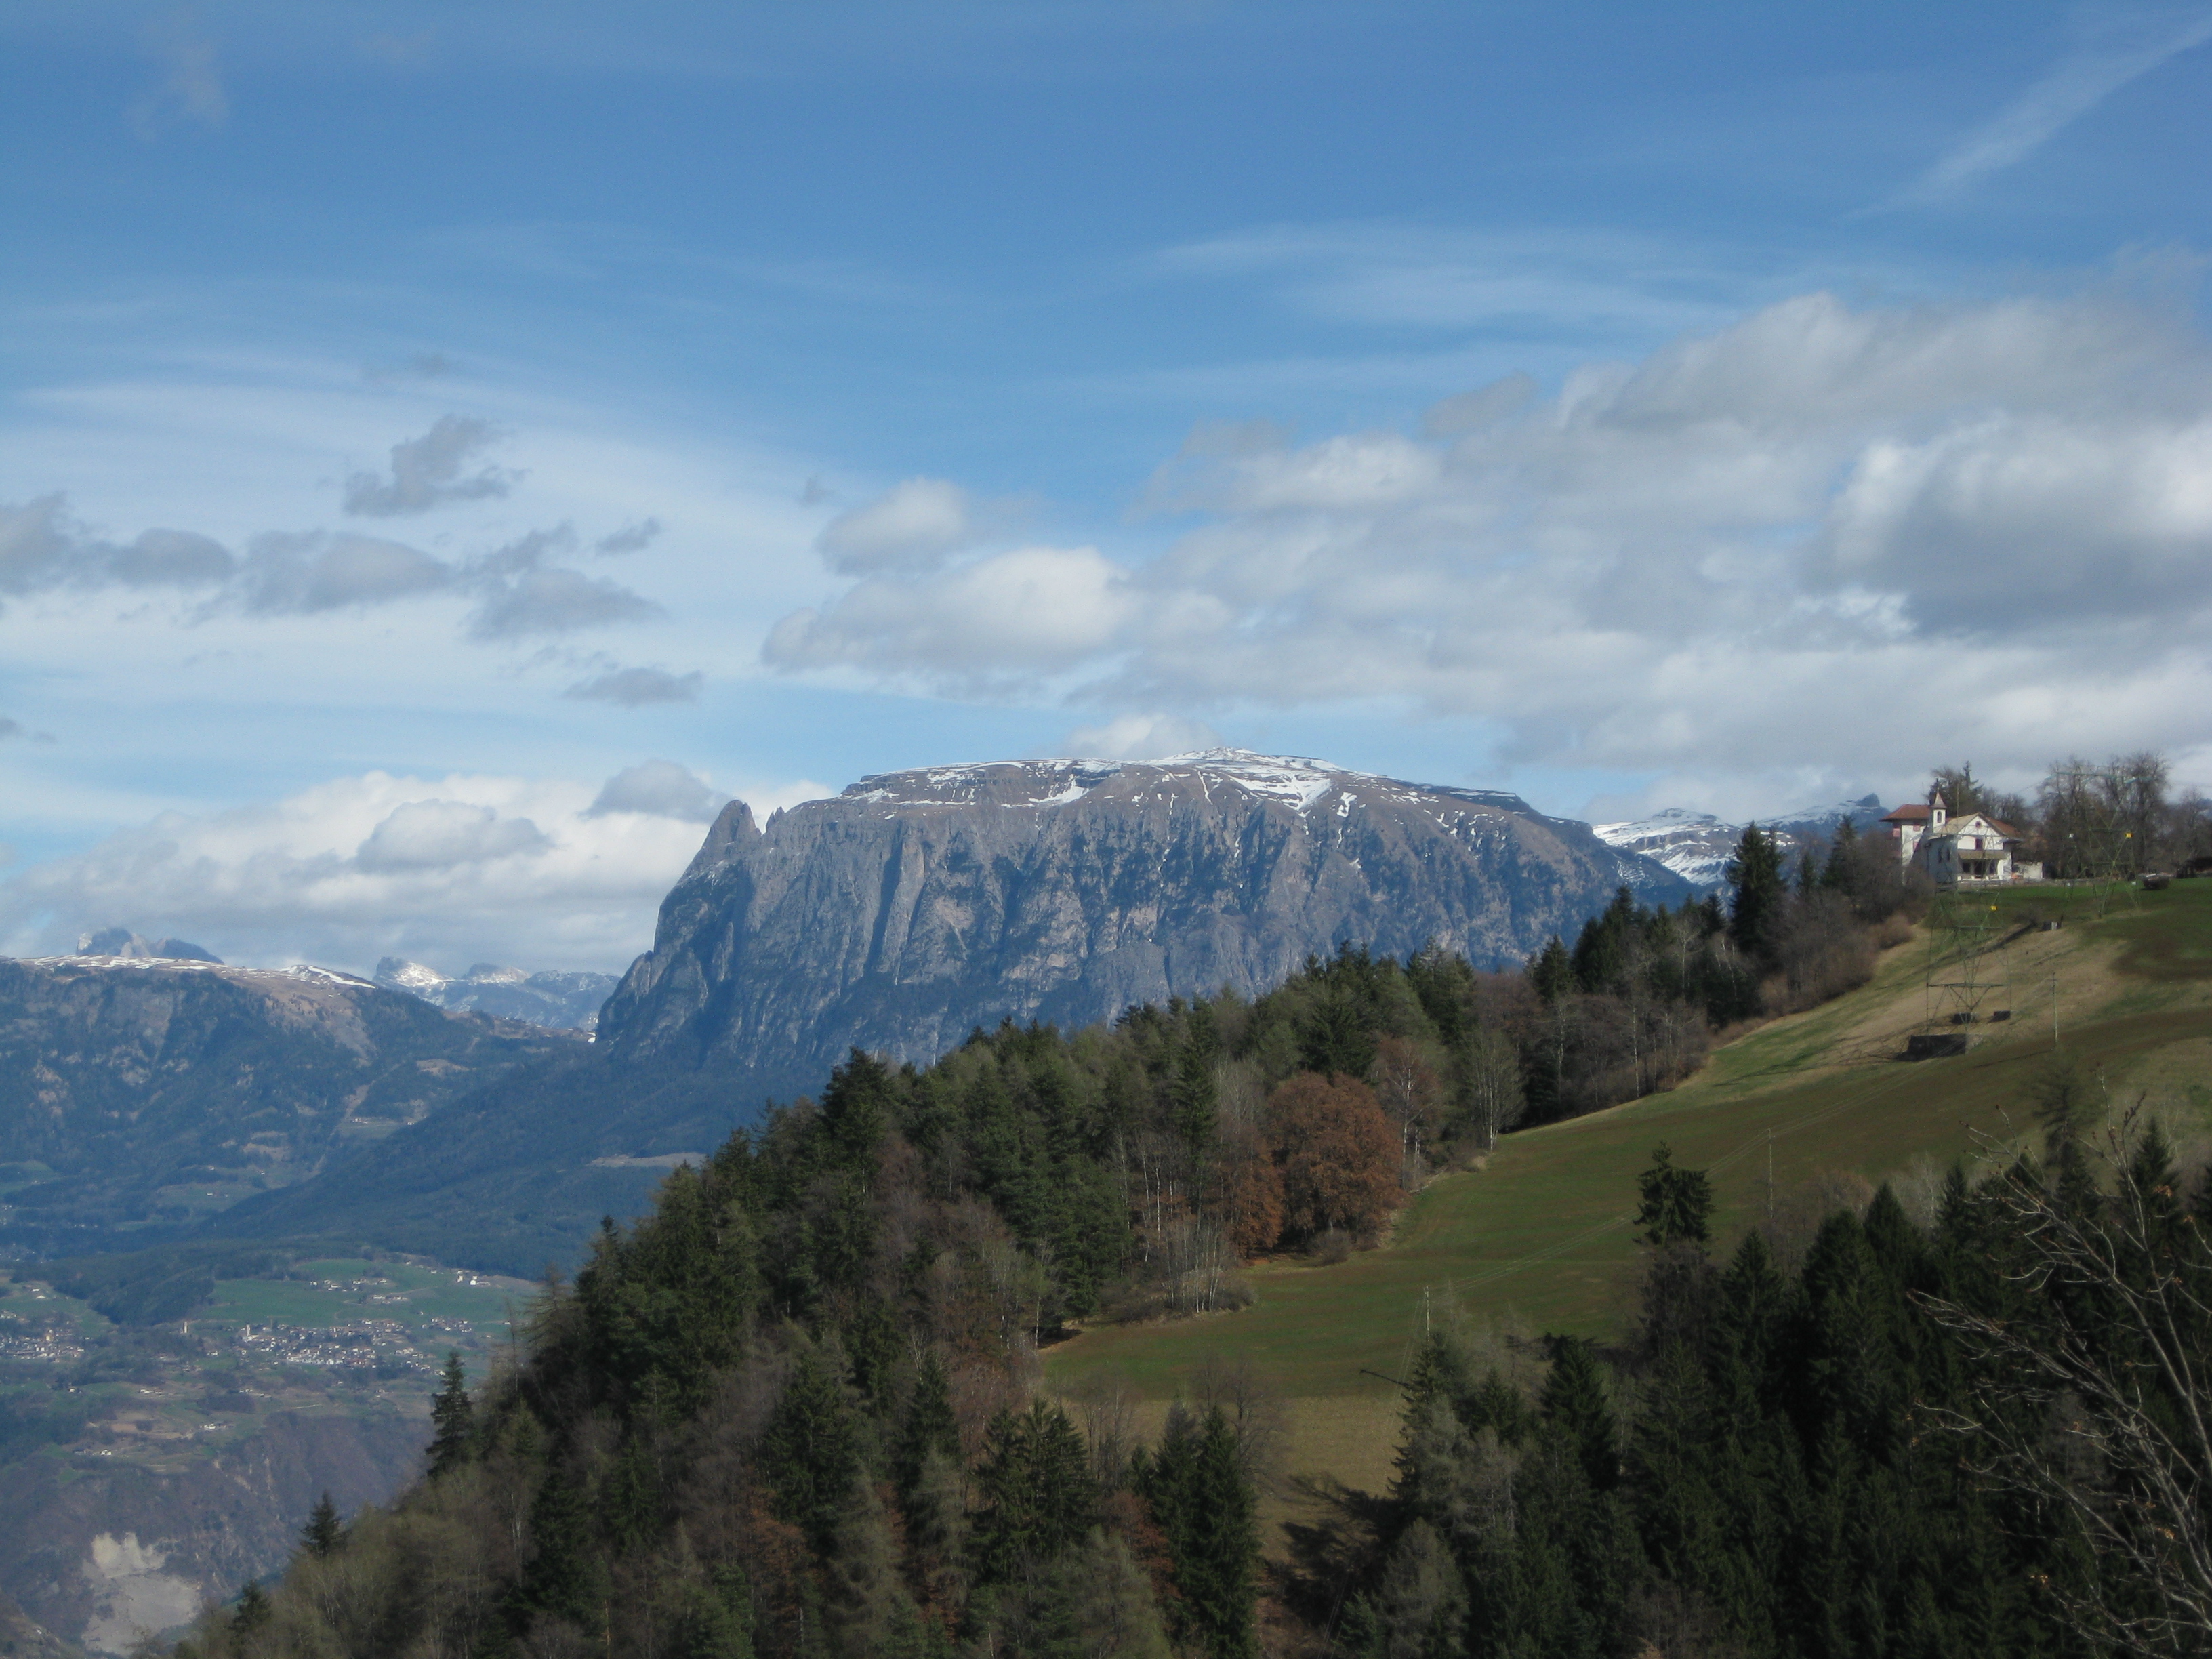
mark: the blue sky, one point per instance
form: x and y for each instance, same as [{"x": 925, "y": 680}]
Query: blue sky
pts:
[{"x": 443, "y": 449}]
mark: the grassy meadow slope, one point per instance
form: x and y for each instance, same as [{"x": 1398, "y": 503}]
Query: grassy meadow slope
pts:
[{"x": 1539, "y": 1239}]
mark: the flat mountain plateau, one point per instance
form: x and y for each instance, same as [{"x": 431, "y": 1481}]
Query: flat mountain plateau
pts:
[
  {"x": 918, "y": 905},
  {"x": 1538, "y": 1238}
]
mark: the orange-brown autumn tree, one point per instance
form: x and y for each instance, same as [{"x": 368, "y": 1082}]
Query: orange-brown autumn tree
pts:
[
  {"x": 1252, "y": 1202},
  {"x": 1338, "y": 1154}
]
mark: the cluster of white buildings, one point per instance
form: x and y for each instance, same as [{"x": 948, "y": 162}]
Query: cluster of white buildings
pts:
[{"x": 1969, "y": 848}]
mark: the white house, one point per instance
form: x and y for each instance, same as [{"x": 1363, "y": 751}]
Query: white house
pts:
[{"x": 1973, "y": 847}]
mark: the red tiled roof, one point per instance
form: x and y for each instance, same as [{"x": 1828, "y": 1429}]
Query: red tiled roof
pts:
[{"x": 1912, "y": 813}]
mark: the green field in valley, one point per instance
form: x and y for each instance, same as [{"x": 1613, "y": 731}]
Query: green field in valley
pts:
[
  {"x": 343, "y": 1291},
  {"x": 1539, "y": 1239}
]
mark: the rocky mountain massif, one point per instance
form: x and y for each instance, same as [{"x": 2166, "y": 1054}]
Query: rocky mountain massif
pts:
[
  {"x": 917, "y": 905},
  {"x": 140, "y": 1094},
  {"x": 1697, "y": 846},
  {"x": 562, "y": 1001}
]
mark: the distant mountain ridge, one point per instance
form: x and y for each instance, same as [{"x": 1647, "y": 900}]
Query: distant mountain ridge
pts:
[
  {"x": 139, "y": 1094},
  {"x": 1697, "y": 846},
  {"x": 559, "y": 1000},
  {"x": 916, "y": 905}
]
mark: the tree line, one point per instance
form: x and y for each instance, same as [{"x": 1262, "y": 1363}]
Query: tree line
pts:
[{"x": 2089, "y": 820}]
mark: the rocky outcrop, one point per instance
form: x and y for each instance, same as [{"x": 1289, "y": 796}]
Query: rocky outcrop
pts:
[
  {"x": 138, "y": 1094},
  {"x": 917, "y": 905}
]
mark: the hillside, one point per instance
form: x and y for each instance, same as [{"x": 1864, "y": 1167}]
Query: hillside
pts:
[
  {"x": 790, "y": 1412},
  {"x": 1537, "y": 1239}
]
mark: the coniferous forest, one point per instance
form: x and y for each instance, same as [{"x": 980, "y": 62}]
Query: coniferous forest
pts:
[{"x": 796, "y": 1409}]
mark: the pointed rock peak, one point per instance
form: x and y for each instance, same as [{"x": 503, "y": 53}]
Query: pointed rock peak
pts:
[
  {"x": 733, "y": 829},
  {"x": 398, "y": 974}
]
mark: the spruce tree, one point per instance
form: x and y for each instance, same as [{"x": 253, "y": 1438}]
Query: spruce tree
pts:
[
  {"x": 323, "y": 1533},
  {"x": 811, "y": 1451},
  {"x": 453, "y": 1417},
  {"x": 253, "y": 1611},
  {"x": 1676, "y": 1204},
  {"x": 1755, "y": 912},
  {"x": 566, "y": 1576},
  {"x": 1575, "y": 1402},
  {"x": 929, "y": 1426},
  {"x": 1204, "y": 1503},
  {"x": 1552, "y": 970}
]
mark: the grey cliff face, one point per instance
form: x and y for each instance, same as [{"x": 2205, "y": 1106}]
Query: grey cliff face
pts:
[{"x": 918, "y": 905}]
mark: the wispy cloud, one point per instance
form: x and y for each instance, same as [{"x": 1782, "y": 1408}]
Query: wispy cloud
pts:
[
  {"x": 191, "y": 87},
  {"x": 2077, "y": 84}
]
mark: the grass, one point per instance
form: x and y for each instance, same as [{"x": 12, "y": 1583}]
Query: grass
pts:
[
  {"x": 1539, "y": 1236},
  {"x": 342, "y": 1296}
]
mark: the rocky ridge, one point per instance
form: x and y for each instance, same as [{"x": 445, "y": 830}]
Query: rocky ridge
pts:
[
  {"x": 916, "y": 905},
  {"x": 1697, "y": 846},
  {"x": 560, "y": 1000}
]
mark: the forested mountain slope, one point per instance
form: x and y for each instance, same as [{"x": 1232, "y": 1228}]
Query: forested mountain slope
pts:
[
  {"x": 790, "y": 1412},
  {"x": 1803, "y": 1111}
]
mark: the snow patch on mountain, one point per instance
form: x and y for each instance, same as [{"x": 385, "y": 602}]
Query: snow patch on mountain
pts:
[
  {"x": 1697, "y": 846},
  {"x": 1297, "y": 781}
]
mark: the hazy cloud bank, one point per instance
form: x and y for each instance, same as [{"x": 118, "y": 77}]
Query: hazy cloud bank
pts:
[{"x": 535, "y": 872}]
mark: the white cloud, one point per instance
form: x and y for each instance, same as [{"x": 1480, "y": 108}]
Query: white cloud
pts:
[
  {"x": 1824, "y": 537},
  {"x": 442, "y": 834},
  {"x": 556, "y": 600},
  {"x": 912, "y": 526},
  {"x": 1140, "y": 737},
  {"x": 298, "y": 575},
  {"x": 42, "y": 547},
  {"x": 1021, "y": 615},
  {"x": 659, "y": 788},
  {"x": 631, "y": 538},
  {"x": 191, "y": 87}
]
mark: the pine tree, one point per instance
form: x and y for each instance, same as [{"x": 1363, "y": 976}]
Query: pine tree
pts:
[
  {"x": 1676, "y": 1204},
  {"x": 811, "y": 1451},
  {"x": 253, "y": 1611},
  {"x": 930, "y": 1426},
  {"x": 323, "y": 1533},
  {"x": 1574, "y": 1402},
  {"x": 1755, "y": 874},
  {"x": 453, "y": 1416},
  {"x": 1204, "y": 1502}
]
